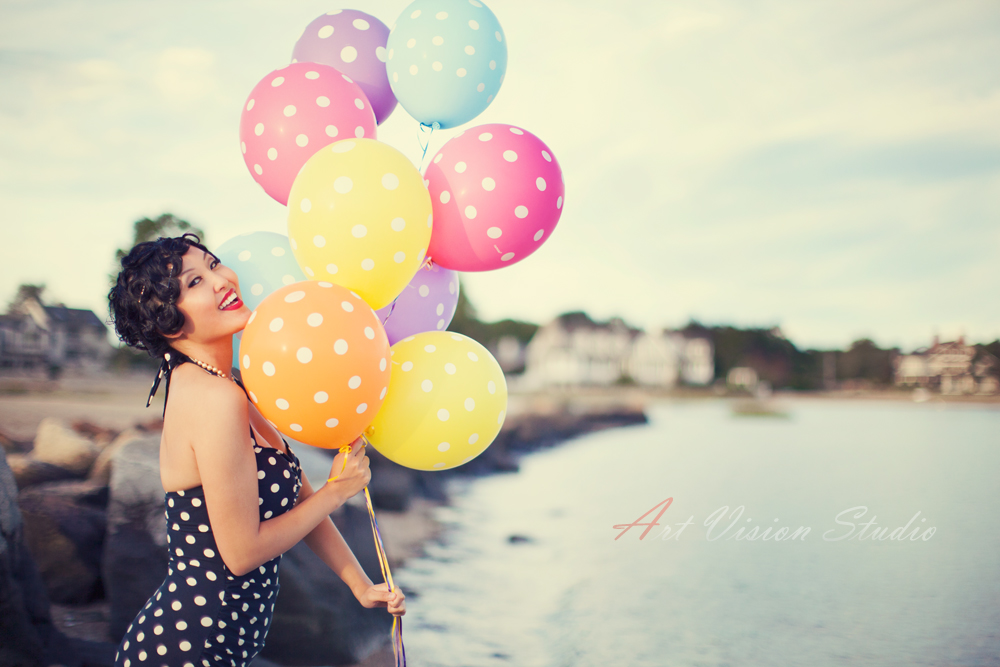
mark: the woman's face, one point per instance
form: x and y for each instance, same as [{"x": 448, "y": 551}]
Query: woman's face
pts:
[{"x": 210, "y": 298}]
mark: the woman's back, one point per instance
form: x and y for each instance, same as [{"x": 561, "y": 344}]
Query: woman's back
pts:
[{"x": 203, "y": 613}]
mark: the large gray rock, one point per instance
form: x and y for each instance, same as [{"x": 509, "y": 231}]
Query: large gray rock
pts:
[
  {"x": 64, "y": 525},
  {"x": 24, "y": 609},
  {"x": 100, "y": 472},
  {"x": 317, "y": 620},
  {"x": 28, "y": 638},
  {"x": 135, "y": 545},
  {"x": 58, "y": 444},
  {"x": 28, "y": 471}
]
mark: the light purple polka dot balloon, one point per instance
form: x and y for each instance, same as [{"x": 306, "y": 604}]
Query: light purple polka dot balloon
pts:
[
  {"x": 427, "y": 304},
  {"x": 354, "y": 43},
  {"x": 497, "y": 192}
]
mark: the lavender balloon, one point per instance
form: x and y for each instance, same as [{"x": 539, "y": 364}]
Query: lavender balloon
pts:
[
  {"x": 427, "y": 304},
  {"x": 354, "y": 43}
]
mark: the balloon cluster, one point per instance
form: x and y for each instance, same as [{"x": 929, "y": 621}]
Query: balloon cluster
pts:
[{"x": 347, "y": 334}]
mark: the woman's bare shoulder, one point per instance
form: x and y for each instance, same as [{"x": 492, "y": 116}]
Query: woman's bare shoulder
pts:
[{"x": 200, "y": 395}]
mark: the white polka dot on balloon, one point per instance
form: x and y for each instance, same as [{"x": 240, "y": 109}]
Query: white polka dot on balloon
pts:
[{"x": 343, "y": 184}]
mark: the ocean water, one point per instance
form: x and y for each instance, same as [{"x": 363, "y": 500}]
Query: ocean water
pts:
[{"x": 572, "y": 594}]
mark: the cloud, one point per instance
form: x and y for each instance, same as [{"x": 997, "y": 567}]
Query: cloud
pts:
[{"x": 185, "y": 76}]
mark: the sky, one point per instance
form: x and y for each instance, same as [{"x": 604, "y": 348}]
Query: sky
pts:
[{"x": 832, "y": 168}]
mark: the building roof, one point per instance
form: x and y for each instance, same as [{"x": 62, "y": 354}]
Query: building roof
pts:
[{"x": 74, "y": 316}]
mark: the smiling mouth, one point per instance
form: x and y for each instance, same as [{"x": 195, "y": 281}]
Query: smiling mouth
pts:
[{"x": 231, "y": 301}]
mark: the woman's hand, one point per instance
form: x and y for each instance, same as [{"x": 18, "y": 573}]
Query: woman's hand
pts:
[
  {"x": 351, "y": 470},
  {"x": 378, "y": 595}
]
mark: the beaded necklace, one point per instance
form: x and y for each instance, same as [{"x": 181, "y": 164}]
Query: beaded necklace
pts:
[{"x": 169, "y": 362}]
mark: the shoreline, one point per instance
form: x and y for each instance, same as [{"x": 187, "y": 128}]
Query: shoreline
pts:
[
  {"x": 113, "y": 406},
  {"x": 535, "y": 420}
]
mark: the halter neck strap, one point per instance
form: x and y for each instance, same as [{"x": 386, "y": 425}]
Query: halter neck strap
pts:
[{"x": 168, "y": 363}]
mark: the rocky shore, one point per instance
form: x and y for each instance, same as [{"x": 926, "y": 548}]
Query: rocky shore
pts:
[{"x": 82, "y": 537}]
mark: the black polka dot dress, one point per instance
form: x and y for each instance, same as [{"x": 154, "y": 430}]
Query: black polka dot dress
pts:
[{"x": 202, "y": 614}]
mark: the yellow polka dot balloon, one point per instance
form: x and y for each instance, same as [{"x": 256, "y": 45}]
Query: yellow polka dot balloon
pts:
[
  {"x": 359, "y": 215},
  {"x": 315, "y": 360},
  {"x": 446, "y": 403}
]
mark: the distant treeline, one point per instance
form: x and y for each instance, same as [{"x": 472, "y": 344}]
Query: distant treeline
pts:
[
  {"x": 777, "y": 359},
  {"x": 467, "y": 322}
]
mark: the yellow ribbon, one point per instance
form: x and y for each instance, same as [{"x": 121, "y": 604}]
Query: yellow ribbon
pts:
[
  {"x": 345, "y": 450},
  {"x": 399, "y": 652}
]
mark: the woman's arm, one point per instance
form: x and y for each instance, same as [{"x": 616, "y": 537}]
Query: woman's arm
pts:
[
  {"x": 327, "y": 543},
  {"x": 217, "y": 427}
]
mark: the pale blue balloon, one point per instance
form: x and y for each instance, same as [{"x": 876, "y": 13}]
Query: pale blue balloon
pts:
[
  {"x": 263, "y": 262},
  {"x": 446, "y": 60}
]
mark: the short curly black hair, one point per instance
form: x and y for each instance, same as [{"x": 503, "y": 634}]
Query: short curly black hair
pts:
[{"x": 143, "y": 302}]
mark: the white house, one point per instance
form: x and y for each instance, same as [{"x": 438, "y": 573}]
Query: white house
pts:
[
  {"x": 575, "y": 350},
  {"x": 43, "y": 336},
  {"x": 951, "y": 368}
]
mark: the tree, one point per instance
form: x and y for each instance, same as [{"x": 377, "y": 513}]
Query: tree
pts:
[
  {"x": 766, "y": 350},
  {"x": 488, "y": 334},
  {"x": 866, "y": 361},
  {"x": 148, "y": 229},
  {"x": 25, "y": 293}
]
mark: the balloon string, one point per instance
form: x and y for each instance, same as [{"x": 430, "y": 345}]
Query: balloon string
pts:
[
  {"x": 392, "y": 307},
  {"x": 427, "y": 266},
  {"x": 345, "y": 450},
  {"x": 423, "y": 128},
  {"x": 398, "y": 650}
]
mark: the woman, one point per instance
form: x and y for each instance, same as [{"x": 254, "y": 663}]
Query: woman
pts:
[{"x": 236, "y": 497}]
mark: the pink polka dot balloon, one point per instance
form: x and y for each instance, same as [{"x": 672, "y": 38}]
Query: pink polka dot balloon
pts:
[
  {"x": 497, "y": 192},
  {"x": 354, "y": 43},
  {"x": 292, "y": 113}
]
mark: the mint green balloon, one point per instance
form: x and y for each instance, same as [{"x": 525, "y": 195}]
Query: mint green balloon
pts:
[
  {"x": 446, "y": 60},
  {"x": 263, "y": 262}
]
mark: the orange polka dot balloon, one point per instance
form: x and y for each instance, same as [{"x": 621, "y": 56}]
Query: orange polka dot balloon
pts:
[{"x": 315, "y": 360}]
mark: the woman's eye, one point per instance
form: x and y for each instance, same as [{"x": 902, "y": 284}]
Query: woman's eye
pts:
[
  {"x": 215, "y": 263},
  {"x": 194, "y": 281}
]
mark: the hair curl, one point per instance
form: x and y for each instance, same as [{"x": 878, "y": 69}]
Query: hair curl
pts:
[{"x": 143, "y": 302}]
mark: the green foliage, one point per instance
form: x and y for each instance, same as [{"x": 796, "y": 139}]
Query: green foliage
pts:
[
  {"x": 993, "y": 348},
  {"x": 767, "y": 351},
  {"x": 467, "y": 323},
  {"x": 25, "y": 293},
  {"x": 149, "y": 229},
  {"x": 866, "y": 361},
  {"x": 780, "y": 362}
]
